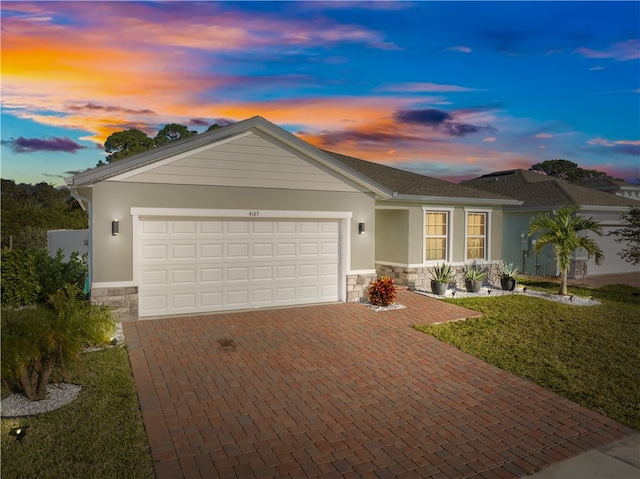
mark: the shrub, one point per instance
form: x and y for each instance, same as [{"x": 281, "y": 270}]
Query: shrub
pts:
[
  {"x": 509, "y": 270},
  {"x": 20, "y": 278},
  {"x": 35, "y": 340},
  {"x": 473, "y": 273},
  {"x": 30, "y": 276},
  {"x": 442, "y": 274},
  {"x": 54, "y": 272},
  {"x": 382, "y": 291}
]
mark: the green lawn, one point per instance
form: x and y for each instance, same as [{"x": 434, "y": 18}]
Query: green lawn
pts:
[
  {"x": 589, "y": 354},
  {"x": 99, "y": 435}
]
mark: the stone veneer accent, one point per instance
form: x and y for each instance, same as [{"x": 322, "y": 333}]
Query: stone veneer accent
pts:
[
  {"x": 123, "y": 301},
  {"x": 357, "y": 285},
  {"x": 420, "y": 277}
]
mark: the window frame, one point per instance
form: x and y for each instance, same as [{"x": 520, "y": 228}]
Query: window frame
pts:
[
  {"x": 487, "y": 235},
  {"x": 448, "y": 236}
]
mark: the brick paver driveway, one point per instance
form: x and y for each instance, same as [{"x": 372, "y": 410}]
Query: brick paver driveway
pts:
[{"x": 341, "y": 391}]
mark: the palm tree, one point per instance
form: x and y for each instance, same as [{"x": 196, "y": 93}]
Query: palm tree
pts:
[{"x": 563, "y": 232}]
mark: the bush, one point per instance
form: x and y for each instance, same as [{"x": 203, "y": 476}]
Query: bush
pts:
[
  {"x": 35, "y": 340},
  {"x": 54, "y": 272},
  {"x": 382, "y": 291},
  {"x": 30, "y": 276},
  {"x": 20, "y": 278}
]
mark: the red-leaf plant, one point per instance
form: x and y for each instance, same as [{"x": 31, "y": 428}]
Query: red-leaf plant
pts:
[{"x": 382, "y": 291}]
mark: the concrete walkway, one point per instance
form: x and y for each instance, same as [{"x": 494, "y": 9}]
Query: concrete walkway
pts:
[{"x": 338, "y": 391}]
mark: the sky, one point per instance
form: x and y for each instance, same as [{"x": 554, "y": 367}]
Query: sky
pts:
[{"x": 452, "y": 90}]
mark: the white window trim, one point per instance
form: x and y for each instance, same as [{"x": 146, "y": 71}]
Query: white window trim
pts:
[
  {"x": 487, "y": 233},
  {"x": 449, "y": 211}
]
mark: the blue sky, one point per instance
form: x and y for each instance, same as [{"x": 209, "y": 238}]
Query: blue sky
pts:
[{"x": 453, "y": 90}]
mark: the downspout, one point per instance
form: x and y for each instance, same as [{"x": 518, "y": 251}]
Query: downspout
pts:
[{"x": 89, "y": 209}]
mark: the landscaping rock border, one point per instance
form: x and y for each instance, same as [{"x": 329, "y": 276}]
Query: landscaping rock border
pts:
[
  {"x": 58, "y": 395},
  {"x": 491, "y": 291}
]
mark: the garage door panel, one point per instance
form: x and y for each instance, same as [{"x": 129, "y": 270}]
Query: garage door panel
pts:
[
  {"x": 154, "y": 252},
  {"x": 238, "y": 251},
  {"x": 308, "y": 271},
  {"x": 238, "y": 298},
  {"x": 237, "y": 227},
  {"x": 211, "y": 301},
  {"x": 329, "y": 248},
  {"x": 309, "y": 249},
  {"x": 150, "y": 228},
  {"x": 285, "y": 294},
  {"x": 157, "y": 277},
  {"x": 183, "y": 227},
  {"x": 261, "y": 273},
  {"x": 211, "y": 251},
  {"x": 262, "y": 250},
  {"x": 155, "y": 304},
  {"x": 262, "y": 296},
  {"x": 210, "y": 265},
  {"x": 612, "y": 263},
  {"x": 286, "y": 272},
  {"x": 211, "y": 228},
  {"x": 329, "y": 270},
  {"x": 262, "y": 228},
  {"x": 238, "y": 273},
  {"x": 309, "y": 228},
  {"x": 211, "y": 275},
  {"x": 183, "y": 251},
  {"x": 183, "y": 301},
  {"x": 183, "y": 276}
]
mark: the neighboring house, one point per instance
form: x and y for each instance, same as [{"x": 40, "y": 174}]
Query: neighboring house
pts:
[
  {"x": 617, "y": 187},
  {"x": 250, "y": 216},
  {"x": 540, "y": 193}
]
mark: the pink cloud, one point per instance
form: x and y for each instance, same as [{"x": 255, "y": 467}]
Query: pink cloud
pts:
[
  {"x": 426, "y": 87},
  {"x": 622, "y": 51},
  {"x": 460, "y": 48}
]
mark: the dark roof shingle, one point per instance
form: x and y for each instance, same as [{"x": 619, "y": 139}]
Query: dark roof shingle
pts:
[
  {"x": 538, "y": 190},
  {"x": 412, "y": 184}
]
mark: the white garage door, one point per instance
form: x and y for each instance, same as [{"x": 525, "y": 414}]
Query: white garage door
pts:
[
  {"x": 193, "y": 266},
  {"x": 612, "y": 263}
]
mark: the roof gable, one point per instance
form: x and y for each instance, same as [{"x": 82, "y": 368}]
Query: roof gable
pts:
[
  {"x": 244, "y": 160},
  {"x": 257, "y": 153}
]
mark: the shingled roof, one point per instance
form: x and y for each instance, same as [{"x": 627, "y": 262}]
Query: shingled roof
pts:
[
  {"x": 538, "y": 190},
  {"x": 406, "y": 183}
]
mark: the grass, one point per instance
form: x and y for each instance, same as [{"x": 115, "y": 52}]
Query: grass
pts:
[
  {"x": 99, "y": 435},
  {"x": 589, "y": 354}
]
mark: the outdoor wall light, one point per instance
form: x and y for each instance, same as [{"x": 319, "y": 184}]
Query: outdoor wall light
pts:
[
  {"x": 115, "y": 228},
  {"x": 19, "y": 432},
  {"x": 360, "y": 228}
]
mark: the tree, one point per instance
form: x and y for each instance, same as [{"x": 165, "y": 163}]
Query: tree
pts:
[
  {"x": 567, "y": 170},
  {"x": 28, "y": 211},
  {"x": 173, "y": 132},
  {"x": 126, "y": 143},
  {"x": 630, "y": 234},
  {"x": 34, "y": 341},
  {"x": 122, "y": 144},
  {"x": 563, "y": 232}
]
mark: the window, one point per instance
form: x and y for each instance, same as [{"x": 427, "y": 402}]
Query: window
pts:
[
  {"x": 476, "y": 236},
  {"x": 436, "y": 227}
]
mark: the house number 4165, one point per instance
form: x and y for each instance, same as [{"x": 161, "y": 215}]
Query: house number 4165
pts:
[{"x": 254, "y": 213}]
